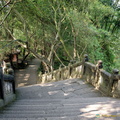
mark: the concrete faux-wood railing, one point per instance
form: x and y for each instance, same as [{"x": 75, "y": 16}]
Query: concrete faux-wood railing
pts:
[
  {"x": 107, "y": 83},
  {"x": 7, "y": 88}
]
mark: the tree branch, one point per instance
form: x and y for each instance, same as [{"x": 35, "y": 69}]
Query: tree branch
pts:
[
  {"x": 7, "y": 15},
  {"x": 5, "y": 5},
  {"x": 59, "y": 58},
  {"x": 32, "y": 51}
]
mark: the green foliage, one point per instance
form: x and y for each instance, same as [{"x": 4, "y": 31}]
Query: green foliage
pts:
[
  {"x": 107, "y": 2},
  {"x": 70, "y": 28}
]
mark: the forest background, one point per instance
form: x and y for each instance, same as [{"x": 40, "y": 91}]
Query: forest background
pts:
[{"x": 60, "y": 31}]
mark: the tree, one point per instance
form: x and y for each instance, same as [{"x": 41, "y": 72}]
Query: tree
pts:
[{"x": 57, "y": 32}]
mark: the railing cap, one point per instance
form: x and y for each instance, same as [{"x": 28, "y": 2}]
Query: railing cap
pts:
[
  {"x": 86, "y": 59},
  {"x": 115, "y": 71},
  {"x": 100, "y": 62},
  {"x": 85, "y": 55}
]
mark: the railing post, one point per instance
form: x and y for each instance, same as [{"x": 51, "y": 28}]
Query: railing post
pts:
[
  {"x": 99, "y": 66},
  {"x": 60, "y": 73},
  {"x": 114, "y": 81},
  {"x": 69, "y": 69},
  {"x": 46, "y": 76},
  {"x": 52, "y": 74},
  {"x": 11, "y": 72},
  {"x": 1, "y": 84},
  {"x": 13, "y": 85},
  {"x": 85, "y": 59}
]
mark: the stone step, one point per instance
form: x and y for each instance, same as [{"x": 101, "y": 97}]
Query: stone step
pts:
[
  {"x": 38, "y": 105},
  {"x": 65, "y": 108},
  {"x": 110, "y": 106},
  {"x": 37, "y": 114},
  {"x": 60, "y": 94},
  {"x": 73, "y": 100},
  {"x": 62, "y": 109},
  {"x": 62, "y": 116},
  {"x": 87, "y": 116},
  {"x": 56, "y": 118}
]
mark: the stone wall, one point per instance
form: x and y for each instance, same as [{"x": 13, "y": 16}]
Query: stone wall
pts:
[
  {"x": 7, "y": 86},
  {"x": 107, "y": 83}
]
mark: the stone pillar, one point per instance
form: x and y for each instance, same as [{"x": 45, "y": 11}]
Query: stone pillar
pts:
[
  {"x": 66, "y": 72},
  {"x": 52, "y": 73},
  {"x": 40, "y": 76},
  {"x": 69, "y": 70},
  {"x": 83, "y": 71},
  {"x": 1, "y": 84},
  {"x": 114, "y": 83},
  {"x": 86, "y": 58},
  {"x": 99, "y": 66},
  {"x": 44, "y": 78},
  {"x": 10, "y": 71},
  {"x": 60, "y": 76}
]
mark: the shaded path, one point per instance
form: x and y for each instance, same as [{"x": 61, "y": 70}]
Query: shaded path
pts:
[{"x": 28, "y": 76}]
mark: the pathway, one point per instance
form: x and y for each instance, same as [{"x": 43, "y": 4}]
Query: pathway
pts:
[{"x": 28, "y": 76}]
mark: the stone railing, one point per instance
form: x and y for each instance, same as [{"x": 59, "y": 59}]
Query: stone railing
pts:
[
  {"x": 7, "y": 87},
  {"x": 107, "y": 83}
]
